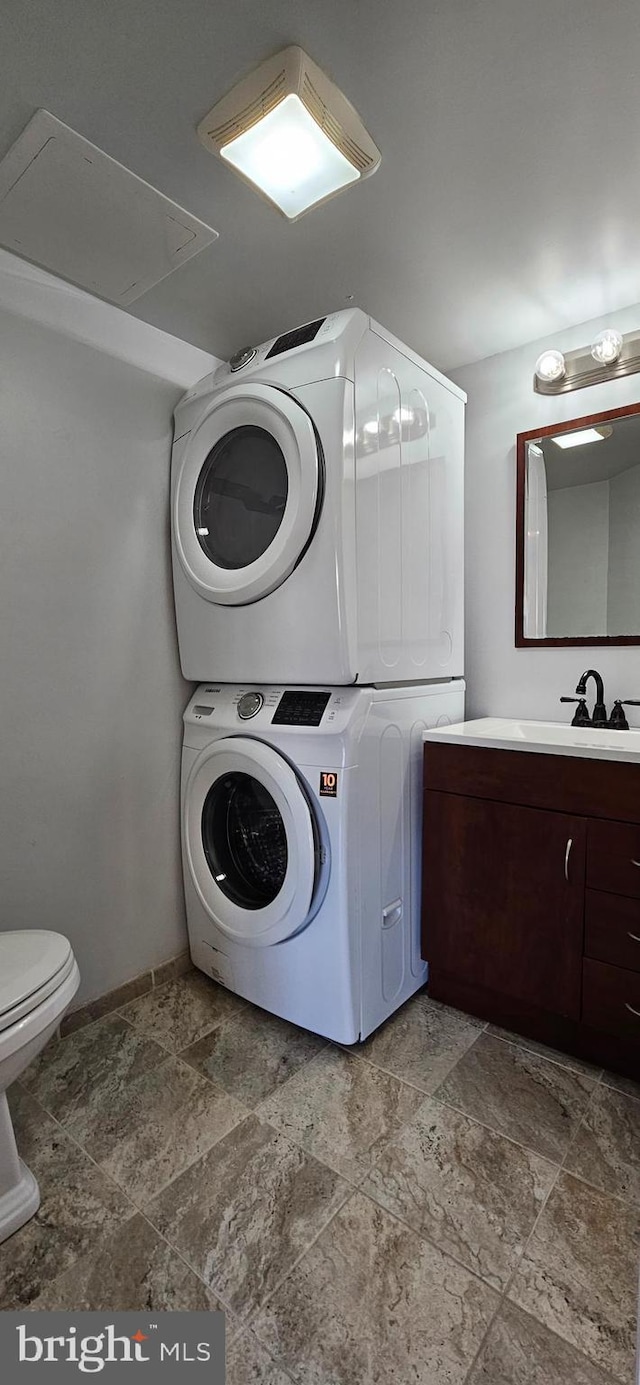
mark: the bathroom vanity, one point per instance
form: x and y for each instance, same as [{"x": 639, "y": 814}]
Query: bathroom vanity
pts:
[{"x": 531, "y": 882}]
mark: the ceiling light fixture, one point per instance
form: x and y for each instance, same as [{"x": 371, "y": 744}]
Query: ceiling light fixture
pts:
[
  {"x": 582, "y": 436},
  {"x": 609, "y": 357},
  {"x": 290, "y": 133}
]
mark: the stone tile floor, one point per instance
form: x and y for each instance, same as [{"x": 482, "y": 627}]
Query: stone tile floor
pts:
[{"x": 446, "y": 1203}]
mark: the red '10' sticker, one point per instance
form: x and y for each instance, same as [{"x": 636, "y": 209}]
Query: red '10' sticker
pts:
[{"x": 328, "y": 783}]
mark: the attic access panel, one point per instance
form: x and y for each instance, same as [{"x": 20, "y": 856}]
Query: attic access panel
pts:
[{"x": 72, "y": 209}]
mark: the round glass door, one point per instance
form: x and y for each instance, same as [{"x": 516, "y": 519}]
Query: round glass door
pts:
[
  {"x": 240, "y": 497},
  {"x": 250, "y": 841},
  {"x": 244, "y": 840},
  {"x": 248, "y": 494}
]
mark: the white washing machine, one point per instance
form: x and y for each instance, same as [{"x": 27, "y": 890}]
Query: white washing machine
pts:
[
  {"x": 317, "y": 513},
  {"x": 301, "y": 839}
]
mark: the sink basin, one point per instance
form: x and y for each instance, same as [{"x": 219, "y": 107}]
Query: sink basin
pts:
[{"x": 542, "y": 737}]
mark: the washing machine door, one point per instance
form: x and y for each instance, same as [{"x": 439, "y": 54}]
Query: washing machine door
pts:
[
  {"x": 250, "y": 841},
  {"x": 248, "y": 495}
]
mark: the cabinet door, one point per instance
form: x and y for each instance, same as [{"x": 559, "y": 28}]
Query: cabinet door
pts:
[{"x": 503, "y": 898}]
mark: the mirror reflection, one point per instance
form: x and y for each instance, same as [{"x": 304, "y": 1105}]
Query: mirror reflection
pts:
[{"x": 582, "y": 533}]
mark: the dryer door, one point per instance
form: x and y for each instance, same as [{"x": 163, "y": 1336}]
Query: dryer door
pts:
[
  {"x": 250, "y": 841},
  {"x": 248, "y": 495}
]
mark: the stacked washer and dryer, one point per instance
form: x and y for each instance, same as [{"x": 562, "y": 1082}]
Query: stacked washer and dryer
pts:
[{"x": 317, "y": 539}]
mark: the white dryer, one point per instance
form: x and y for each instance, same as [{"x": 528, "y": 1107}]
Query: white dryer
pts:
[
  {"x": 301, "y": 838},
  {"x": 317, "y": 513}
]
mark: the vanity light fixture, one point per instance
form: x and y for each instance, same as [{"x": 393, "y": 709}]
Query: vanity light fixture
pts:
[
  {"x": 582, "y": 436},
  {"x": 610, "y": 356},
  {"x": 290, "y": 133}
]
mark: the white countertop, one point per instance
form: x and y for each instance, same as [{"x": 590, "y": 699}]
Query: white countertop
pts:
[{"x": 542, "y": 738}]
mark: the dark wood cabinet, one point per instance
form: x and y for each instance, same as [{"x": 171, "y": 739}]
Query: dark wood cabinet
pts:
[
  {"x": 531, "y": 895},
  {"x": 613, "y": 861},
  {"x": 612, "y": 929},
  {"x": 504, "y": 898},
  {"x": 612, "y": 1000}
]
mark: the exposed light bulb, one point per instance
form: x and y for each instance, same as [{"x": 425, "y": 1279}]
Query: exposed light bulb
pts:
[
  {"x": 607, "y": 346},
  {"x": 550, "y": 366}
]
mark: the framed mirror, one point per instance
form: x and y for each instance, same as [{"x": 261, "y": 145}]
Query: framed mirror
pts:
[{"x": 578, "y": 532}]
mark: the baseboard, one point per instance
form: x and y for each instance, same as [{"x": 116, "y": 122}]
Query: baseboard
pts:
[{"x": 114, "y": 1000}]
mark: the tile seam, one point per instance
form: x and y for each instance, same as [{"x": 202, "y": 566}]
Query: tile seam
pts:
[
  {"x": 560, "y": 1171},
  {"x": 279, "y": 1088},
  {"x": 595, "y": 1074}
]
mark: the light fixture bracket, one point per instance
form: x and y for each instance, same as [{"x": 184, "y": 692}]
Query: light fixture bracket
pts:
[
  {"x": 581, "y": 370},
  {"x": 291, "y": 72}
]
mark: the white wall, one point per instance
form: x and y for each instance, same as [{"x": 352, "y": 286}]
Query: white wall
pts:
[
  {"x": 91, "y": 694},
  {"x": 503, "y": 680},
  {"x": 578, "y": 559}
]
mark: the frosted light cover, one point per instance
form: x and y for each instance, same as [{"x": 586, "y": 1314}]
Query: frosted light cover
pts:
[
  {"x": 289, "y": 158},
  {"x": 580, "y": 437}
]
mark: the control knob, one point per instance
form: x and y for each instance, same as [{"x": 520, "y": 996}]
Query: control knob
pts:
[
  {"x": 242, "y": 358},
  {"x": 249, "y": 705}
]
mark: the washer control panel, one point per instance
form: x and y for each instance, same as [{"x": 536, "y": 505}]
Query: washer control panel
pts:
[
  {"x": 218, "y": 709},
  {"x": 249, "y": 705},
  {"x": 298, "y": 708}
]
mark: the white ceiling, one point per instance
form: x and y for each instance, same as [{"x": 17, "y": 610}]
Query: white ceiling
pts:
[
  {"x": 507, "y": 205},
  {"x": 594, "y": 461}
]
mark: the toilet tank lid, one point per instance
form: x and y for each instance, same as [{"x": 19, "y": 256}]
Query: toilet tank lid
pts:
[{"x": 29, "y": 959}]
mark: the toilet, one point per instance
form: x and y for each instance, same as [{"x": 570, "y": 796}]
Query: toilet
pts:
[{"x": 38, "y": 979}]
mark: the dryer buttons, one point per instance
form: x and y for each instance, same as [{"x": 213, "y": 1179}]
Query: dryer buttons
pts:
[
  {"x": 242, "y": 358},
  {"x": 249, "y": 705}
]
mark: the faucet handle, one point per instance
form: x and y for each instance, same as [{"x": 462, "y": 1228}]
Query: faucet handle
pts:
[
  {"x": 581, "y": 715},
  {"x": 618, "y": 720}
]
